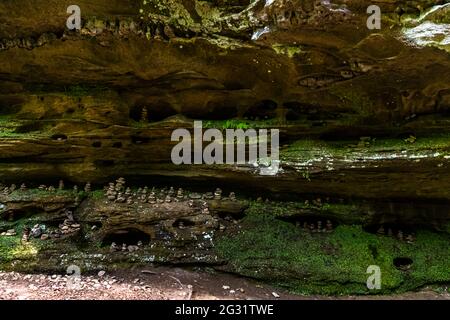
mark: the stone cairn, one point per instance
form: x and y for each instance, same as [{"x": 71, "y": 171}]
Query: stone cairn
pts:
[
  {"x": 124, "y": 247},
  {"x": 144, "y": 115},
  {"x": 40, "y": 231},
  {"x": 26, "y": 234},
  {"x": 218, "y": 194},
  {"x": 398, "y": 234},
  {"x": 316, "y": 227},
  {"x": 9, "y": 233},
  {"x": 119, "y": 193},
  {"x": 69, "y": 225},
  {"x": 180, "y": 195},
  {"x": 5, "y": 190}
]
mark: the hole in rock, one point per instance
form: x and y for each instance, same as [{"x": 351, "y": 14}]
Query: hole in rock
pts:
[
  {"x": 294, "y": 110},
  {"x": 180, "y": 223},
  {"x": 139, "y": 140},
  {"x": 130, "y": 236},
  {"x": 97, "y": 144},
  {"x": 318, "y": 123},
  {"x": 265, "y": 109},
  {"x": 373, "y": 250},
  {"x": 104, "y": 163},
  {"x": 117, "y": 144},
  {"x": 403, "y": 263},
  {"x": 59, "y": 136},
  {"x": 215, "y": 110},
  {"x": 10, "y": 105},
  {"x": 229, "y": 216},
  {"x": 152, "y": 112},
  {"x": 292, "y": 115},
  {"x": 29, "y": 127},
  {"x": 405, "y": 135},
  {"x": 234, "y": 85},
  {"x": 96, "y": 226},
  {"x": 22, "y": 214}
]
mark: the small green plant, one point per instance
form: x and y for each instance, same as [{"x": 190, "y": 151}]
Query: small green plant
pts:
[
  {"x": 305, "y": 175},
  {"x": 97, "y": 194},
  {"x": 228, "y": 124},
  {"x": 411, "y": 139}
]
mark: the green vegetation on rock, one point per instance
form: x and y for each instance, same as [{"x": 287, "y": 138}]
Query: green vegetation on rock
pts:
[{"x": 277, "y": 251}]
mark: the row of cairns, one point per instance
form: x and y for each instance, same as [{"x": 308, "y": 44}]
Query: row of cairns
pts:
[
  {"x": 400, "y": 235},
  {"x": 91, "y": 27},
  {"x": 123, "y": 27},
  {"x": 315, "y": 202},
  {"x": 318, "y": 227},
  {"x": 27, "y": 42},
  {"x": 42, "y": 187},
  {"x": 116, "y": 192},
  {"x": 125, "y": 248},
  {"x": 8, "y": 190},
  {"x": 9, "y": 233}
]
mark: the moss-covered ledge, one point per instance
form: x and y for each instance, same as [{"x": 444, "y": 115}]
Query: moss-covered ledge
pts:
[{"x": 277, "y": 251}]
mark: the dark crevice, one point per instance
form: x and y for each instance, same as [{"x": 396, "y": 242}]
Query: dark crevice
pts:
[
  {"x": 59, "y": 136},
  {"x": 104, "y": 163},
  {"x": 180, "y": 223},
  {"x": 402, "y": 263},
  {"x": 129, "y": 236},
  {"x": 139, "y": 140},
  {"x": 29, "y": 127},
  {"x": 265, "y": 109}
]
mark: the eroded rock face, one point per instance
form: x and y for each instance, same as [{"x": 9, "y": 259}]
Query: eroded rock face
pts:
[
  {"x": 49, "y": 207},
  {"x": 75, "y": 100},
  {"x": 269, "y": 240},
  {"x": 176, "y": 221},
  {"x": 163, "y": 228},
  {"x": 363, "y": 116}
]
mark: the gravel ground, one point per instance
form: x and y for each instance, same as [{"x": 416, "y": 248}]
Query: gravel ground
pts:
[{"x": 162, "y": 283}]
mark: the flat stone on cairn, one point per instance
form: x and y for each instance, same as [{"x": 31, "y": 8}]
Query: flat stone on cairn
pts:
[{"x": 218, "y": 194}]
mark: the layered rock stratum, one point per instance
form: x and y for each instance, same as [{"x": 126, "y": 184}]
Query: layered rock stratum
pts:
[{"x": 363, "y": 116}]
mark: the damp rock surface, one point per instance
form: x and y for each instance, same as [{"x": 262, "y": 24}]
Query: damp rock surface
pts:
[{"x": 364, "y": 139}]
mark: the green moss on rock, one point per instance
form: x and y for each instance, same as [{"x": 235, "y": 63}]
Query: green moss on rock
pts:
[{"x": 281, "y": 253}]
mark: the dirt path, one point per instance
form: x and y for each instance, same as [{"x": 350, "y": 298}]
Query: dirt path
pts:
[{"x": 162, "y": 283}]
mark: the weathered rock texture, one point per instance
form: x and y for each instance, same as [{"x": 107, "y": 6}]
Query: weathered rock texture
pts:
[{"x": 363, "y": 114}]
